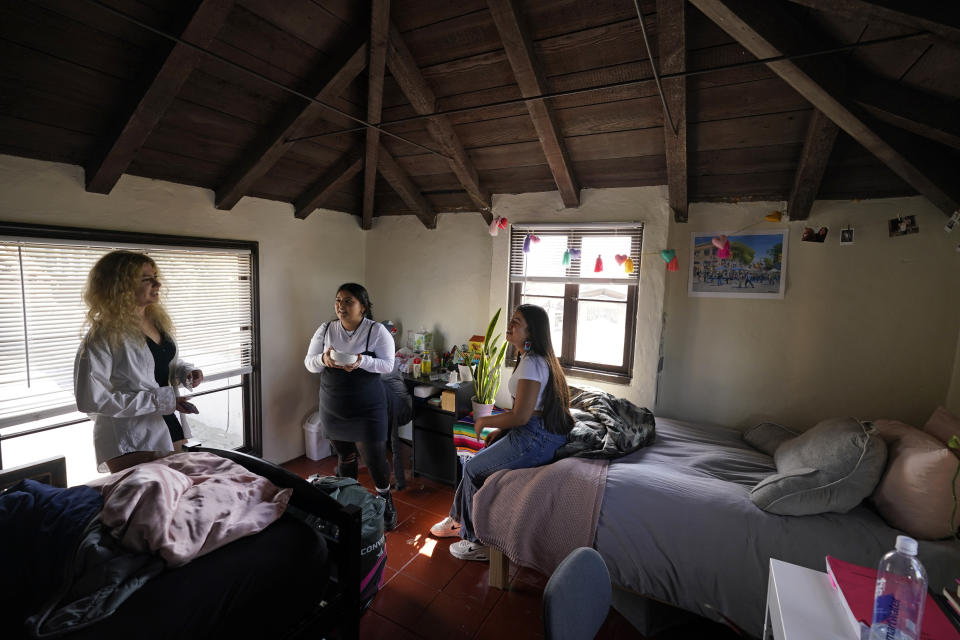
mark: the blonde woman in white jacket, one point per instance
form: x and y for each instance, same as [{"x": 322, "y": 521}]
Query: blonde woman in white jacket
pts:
[{"x": 126, "y": 371}]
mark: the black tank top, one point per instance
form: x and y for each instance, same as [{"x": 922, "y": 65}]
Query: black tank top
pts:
[{"x": 162, "y": 355}]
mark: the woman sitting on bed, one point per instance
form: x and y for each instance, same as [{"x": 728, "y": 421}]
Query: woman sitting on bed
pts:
[{"x": 526, "y": 436}]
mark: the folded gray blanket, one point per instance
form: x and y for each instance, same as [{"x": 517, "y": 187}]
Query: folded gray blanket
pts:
[{"x": 606, "y": 426}]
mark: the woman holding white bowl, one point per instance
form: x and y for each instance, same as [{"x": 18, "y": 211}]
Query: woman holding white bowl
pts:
[{"x": 350, "y": 353}]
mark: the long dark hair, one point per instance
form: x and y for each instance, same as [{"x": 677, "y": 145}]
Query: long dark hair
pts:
[
  {"x": 556, "y": 397},
  {"x": 360, "y": 293}
]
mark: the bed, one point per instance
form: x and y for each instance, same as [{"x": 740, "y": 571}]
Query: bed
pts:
[
  {"x": 675, "y": 524},
  {"x": 298, "y": 577}
]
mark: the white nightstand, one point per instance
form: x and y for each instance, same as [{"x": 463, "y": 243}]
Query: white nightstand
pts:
[{"x": 801, "y": 605}]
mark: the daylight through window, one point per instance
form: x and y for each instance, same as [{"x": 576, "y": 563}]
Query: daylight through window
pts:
[{"x": 578, "y": 273}]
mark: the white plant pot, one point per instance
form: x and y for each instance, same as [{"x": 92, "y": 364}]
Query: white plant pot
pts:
[{"x": 479, "y": 409}]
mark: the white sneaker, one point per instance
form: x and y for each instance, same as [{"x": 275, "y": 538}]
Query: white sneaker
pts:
[
  {"x": 466, "y": 550},
  {"x": 446, "y": 528}
]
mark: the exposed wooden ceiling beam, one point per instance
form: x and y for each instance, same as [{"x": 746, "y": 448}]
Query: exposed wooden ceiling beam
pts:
[
  {"x": 407, "y": 74},
  {"x": 329, "y": 183},
  {"x": 530, "y": 78},
  {"x": 268, "y": 149},
  {"x": 917, "y": 112},
  {"x": 821, "y": 134},
  {"x": 134, "y": 129},
  {"x": 940, "y": 17},
  {"x": 379, "y": 35},
  {"x": 672, "y": 33},
  {"x": 406, "y": 189},
  {"x": 767, "y": 31}
]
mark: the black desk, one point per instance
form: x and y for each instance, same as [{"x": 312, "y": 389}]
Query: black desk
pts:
[{"x": 434, "y": 455}]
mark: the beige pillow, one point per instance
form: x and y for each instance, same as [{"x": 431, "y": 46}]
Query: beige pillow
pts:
[
  {"x": 942, "y": 425},
  {"x": 914, "y": 494}
]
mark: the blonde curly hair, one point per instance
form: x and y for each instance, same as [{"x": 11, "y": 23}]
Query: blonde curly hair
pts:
[{"x": 110, "y": 296}]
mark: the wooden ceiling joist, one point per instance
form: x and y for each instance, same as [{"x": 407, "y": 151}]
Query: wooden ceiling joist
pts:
[
  {"x": 406, "y": 189},
  {"x": 293, "y": 123},
  {"x": 329, "y": 183},
  {"x": 379, "y": 35},
  {"x": 671, "y": 16},
  {"x": 134, "y": 129},
  {"x": 530, "y": 78},
  {"x": 821, "y": 134},
  {"x": 937, "y": 17},
  {"x": 917, "y": 112},
  {"x": 766, "y": 31},
  {"x": 411, "y": 81}
]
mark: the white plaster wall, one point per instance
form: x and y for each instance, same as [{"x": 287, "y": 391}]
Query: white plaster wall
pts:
[
  {"x": 301, "y": 263},
  {"x": 644, "y": 204},
  {"x": 868, "y": 330},
  {"x": 432, "y": 279},
  {"x": 952, "y": 401}
]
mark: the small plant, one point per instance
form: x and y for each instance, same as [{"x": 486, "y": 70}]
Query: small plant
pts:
[
  {"x": 954, "y": 443},
  {"x": 486, "y": 372}
]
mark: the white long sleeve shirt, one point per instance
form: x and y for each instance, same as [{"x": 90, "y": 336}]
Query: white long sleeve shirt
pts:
[
  {"x": 117, "y": 389},
  {"x": 332, "y": 334}
]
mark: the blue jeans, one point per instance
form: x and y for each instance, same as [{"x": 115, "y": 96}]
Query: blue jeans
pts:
[{"x": 522, "y": 447}]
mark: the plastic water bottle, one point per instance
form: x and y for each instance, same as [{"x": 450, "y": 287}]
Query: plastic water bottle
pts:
[{"x": 900, "y": 595}]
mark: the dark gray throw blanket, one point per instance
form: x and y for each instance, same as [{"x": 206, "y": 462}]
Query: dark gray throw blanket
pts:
[{"x": 605, "y": 426}]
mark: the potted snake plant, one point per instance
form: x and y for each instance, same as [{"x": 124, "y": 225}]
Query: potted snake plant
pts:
[{"x": 486, "y": 372}]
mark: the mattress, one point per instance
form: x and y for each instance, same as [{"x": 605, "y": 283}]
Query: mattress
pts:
[{"x": 677, "y": 525}]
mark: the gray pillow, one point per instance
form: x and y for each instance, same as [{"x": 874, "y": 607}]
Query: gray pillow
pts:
[
  {"x": 767, "y": 436},
  {"x": 830, "y": 468}
]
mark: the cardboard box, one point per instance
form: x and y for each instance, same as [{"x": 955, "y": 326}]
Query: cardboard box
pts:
[{"x": 448, "y": 400}]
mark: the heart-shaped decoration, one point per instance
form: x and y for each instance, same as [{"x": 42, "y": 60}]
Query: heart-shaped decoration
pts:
[
  {"x": 668, "y": 254},
  {"x": 502, "y": 223},
  {"x": 575, "y": 254},
  {"x": 719, "y": 241},
  {"x": 620, "y": 258}
]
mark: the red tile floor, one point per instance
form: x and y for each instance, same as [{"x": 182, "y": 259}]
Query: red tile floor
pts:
[{"x": 429, "y": 594}]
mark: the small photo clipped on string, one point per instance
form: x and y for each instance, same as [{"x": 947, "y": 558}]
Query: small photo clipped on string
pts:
[
  {"x": 903, "y": 225},
  {"x": 846, "y": 236},
  {"x": 811, "y": 235}
]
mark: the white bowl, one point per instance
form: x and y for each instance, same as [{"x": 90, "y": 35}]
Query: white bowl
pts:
[{"x": 343, "y": 359}]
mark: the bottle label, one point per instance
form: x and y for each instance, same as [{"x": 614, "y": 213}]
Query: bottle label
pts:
[{"x": 886, "y": 609}]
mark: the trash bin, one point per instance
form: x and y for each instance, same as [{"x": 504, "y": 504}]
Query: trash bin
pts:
[{"x": 316, "y": 445}]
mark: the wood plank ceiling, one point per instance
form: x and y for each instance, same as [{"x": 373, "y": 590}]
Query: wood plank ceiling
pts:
[{"x": 415, "y": 107}]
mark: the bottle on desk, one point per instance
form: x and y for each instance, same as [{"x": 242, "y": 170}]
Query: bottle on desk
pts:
[{"x": 900, "y": 595}]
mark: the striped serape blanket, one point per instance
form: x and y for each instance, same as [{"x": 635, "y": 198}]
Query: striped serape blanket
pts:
[{"x": 465, "y": 436}]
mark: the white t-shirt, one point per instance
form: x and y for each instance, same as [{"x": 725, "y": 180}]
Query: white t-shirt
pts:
[
  {"x": 532, "y": 367},
  {"x": 332, "y": 334}
]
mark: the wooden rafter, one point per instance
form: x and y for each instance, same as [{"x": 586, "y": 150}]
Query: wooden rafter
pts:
[
  {"x": 407, "y": 74},
  {"x": 917, "y": 112},
  {"x": 766, "y": 31},
  {"x": 821, "y": 134},
  {"x": 526, "y": 69},
  {"x": 671, "y": 16},
  {"x": 406, "y": 189},
  {"x": 939, "y": 17},
  {"x": 329, "y": 183},
  {"x": 379, "y": 34},
  {"x": 296, "y": 118},
  {"x": 133, "y": 130}
]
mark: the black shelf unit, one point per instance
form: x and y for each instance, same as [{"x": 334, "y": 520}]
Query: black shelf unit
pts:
[{"x": 434, "y": 455}]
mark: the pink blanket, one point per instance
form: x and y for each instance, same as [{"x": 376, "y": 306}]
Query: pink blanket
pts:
[
  {"x": 538, "y": 516},
  {"x": 188, "y": 504}
]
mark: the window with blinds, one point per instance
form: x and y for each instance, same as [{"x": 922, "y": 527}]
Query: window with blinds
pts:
[
  {"x": 206, "y": 291},
  {"x": 586, "y": 277}
]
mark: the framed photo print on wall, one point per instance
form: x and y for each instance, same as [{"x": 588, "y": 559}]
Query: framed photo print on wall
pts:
[{"x": 755, "y": 268}]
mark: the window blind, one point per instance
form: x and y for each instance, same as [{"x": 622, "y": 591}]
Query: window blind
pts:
[
  {"x": 544, "y": 261},
  {"x": 207, "y": 293}
]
